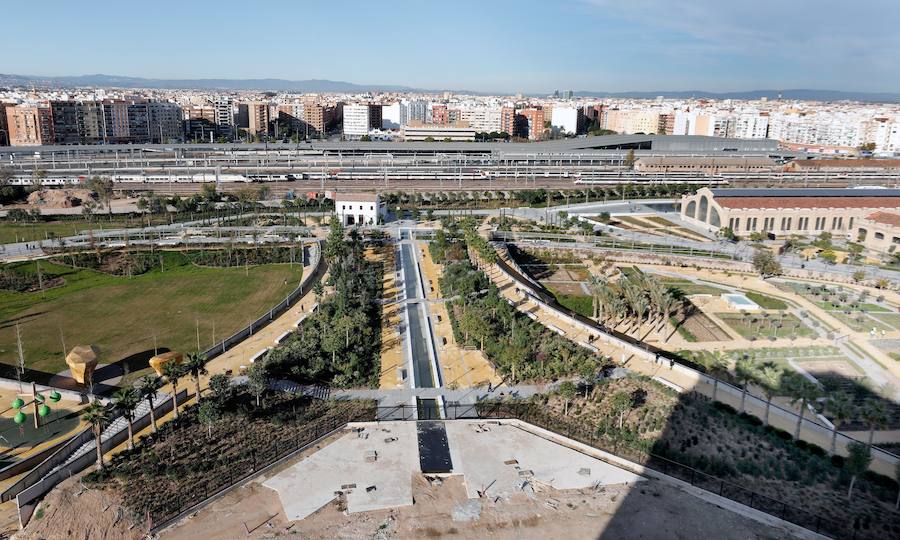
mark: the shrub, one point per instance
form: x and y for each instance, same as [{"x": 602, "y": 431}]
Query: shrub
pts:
[
  {"x": 724, "y": 407},
  {"x": 837, "y": 461}
]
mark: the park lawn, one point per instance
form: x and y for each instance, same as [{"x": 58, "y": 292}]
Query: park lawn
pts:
[
  {"x": 832, "y": 306},
  {"x": 764, "y": 328},
  {"x": 859, "y": 322},
  {"x": 11, "y": 231},
  {"x": 892, "y": 319},
  {"x": 121, "y": 315},
  {"x": 765, "y": 301},
  {"x": 688, "y": 287},
  {"x": 579, "y": 303}
]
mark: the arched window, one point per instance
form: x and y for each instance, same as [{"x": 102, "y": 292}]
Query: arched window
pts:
[
  {"x": 714, "y": 218},
  {"x": 691, "y": 211},
  {"x": 704, "y": 208}
]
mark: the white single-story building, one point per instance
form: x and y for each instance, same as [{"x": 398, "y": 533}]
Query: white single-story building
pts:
[{"x": 359, "y": 208}]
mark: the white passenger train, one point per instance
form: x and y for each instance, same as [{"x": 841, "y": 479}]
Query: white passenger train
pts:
[{"x": 150, "y": 178}]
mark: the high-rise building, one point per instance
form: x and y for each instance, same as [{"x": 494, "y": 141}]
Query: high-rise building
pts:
[
  {"x": 223, "y": 115},
  {"x": 4, "y": 128},
  {"x": 568, "y": 119},
  {"x": 529, "y": 123},
  {"x": 508, "y": 120},
  {"x": 29, "y": 125},
  {"x": 359, "y": 118},
  {"x": 258, "y": 118}
]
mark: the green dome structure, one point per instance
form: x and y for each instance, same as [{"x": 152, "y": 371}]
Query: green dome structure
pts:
[
  {"x": 19, "y": 418},
  {"x": 55, "y": 396},
  {"x": 43, "y": 410},
  {"x": 18, "y": 403}
]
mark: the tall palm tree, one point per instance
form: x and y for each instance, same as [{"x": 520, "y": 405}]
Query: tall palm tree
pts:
[
  {"x": 196, "y": 367},
  {"x": 717, "y": 367},
  {"x": 875, "y": 414},
  {"x": 666, "y": 308},
  {"x": 148, "y": 386},
  {"x": 801, "y": 391},
  {"x": 97, "y": 415},
  {"x": 770, "y": 379},
  {"x": 596, "y": 284},
  {"x": 841, "y": 408},
  {"x": 745, "y": 371},
  {"x": 126, "y": 400},
  {"x": 173, "y": 371}
]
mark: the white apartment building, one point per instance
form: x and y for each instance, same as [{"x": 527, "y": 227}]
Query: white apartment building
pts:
[
  {"x": 391, "y": 116},
  {"x": 566, "y": 119},
  {"x": 356, "y": 120},
  {"x": 481, "y": 119}
]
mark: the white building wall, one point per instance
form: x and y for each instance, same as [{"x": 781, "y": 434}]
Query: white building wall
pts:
[
  {"x": 356, "y": 120},
  {"x": 566, "y": 119},
  {"x": 390, "y": 116}
]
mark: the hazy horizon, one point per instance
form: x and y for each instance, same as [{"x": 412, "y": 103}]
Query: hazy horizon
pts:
[{"x": 488, "y": 47}]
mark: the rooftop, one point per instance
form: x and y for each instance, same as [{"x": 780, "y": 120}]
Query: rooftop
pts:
[
  {"x": 806, "y": 192},
  {"x": 808, "y": 202},
  {"x": 356, "y": 197},
  {"x": 847, "y": 163},
  {"x": 886, "y": 218}
]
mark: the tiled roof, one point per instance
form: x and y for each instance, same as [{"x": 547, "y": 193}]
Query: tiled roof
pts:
[
  {"x": 355, "y": 197},
  {"x": 808, "y": 202},
  {"x": 886, "y": 218},
  {"x": 804, "y": 192},
  {"x": 847, "y": 163}
]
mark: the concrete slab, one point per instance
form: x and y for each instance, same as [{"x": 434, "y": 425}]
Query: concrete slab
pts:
[
  {"x": 497, "y": 458},
  {"x": 311, "y": 483}
]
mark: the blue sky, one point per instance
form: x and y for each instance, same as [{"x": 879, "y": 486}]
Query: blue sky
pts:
[{"x": 484, "y": 45}]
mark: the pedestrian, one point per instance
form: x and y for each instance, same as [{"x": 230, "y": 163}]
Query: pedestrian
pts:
[{"x": 671, "y": 363}]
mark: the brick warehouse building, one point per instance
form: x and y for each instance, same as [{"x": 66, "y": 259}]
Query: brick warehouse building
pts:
[{"x": 784, "y": 212}]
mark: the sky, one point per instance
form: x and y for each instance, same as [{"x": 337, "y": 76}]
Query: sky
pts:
[{"x": 502, "y": 46}]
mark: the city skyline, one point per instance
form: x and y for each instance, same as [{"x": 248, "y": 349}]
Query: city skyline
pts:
[{"x": 497, "y": 47}]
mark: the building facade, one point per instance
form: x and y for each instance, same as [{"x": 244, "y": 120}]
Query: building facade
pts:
[
  {"x": 786, "y": 212},
  {"x": 355, "y": 209},
  {"x": 880, "y": 232}
]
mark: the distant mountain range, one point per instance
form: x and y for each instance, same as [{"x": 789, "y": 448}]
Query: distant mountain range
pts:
[
  {"x": 792, "y": 94},
  {"x": 324, "y": 85}
]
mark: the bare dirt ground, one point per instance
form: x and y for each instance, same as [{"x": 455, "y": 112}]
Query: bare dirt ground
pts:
[
  {"x": 71, "y": 512},
  {"x": 647, "y": 511}
]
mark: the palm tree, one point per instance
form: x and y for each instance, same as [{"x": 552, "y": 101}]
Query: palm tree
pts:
[
  {"x": 666, "y": 308},
  {"x": 803, "y": 391},
  {"x": 717, "y": 367},
  {"x": 596, "y": 285},
  {"x": 97, "y": 415},
  {"x": 875, "y": 414},
  {"x": 196, "y": 366},
  {"x": 769, "y": 378},
  {"x": 148, "y": 386},
  {"x": 841, "y": 409},
  {"x": 859, "y": 456},
  {"x": 173, "y": 371},
  {"x": 745, "y": 371},
  {"x": 126, "y": 400}
]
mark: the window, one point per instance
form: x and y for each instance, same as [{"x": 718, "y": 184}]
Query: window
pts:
[
  {"x": 895, "y": 240},
  {"x": 879, "y": 236}
]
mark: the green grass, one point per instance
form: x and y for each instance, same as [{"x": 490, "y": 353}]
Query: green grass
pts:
[
  {"x": 30, "y": 232},
  {"x": 583, "y": 305},
  {"x": 121, "y": 315},
  {"x": 764, "y": 328},
  {"x": 765, "y": 301},
  {"x": 865, "y": 325},
  {"x": 895, "y": 356},
  {"x": 892, "y": 319},
  {"x": 837, "y": 306},
  {"x": 688, "y": 287},
  {"x": 682, "y": 331}
]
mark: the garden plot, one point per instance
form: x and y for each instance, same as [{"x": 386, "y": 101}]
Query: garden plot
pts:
[
  {"x": 656, "y": 225},
  {"x": 758, "y": 327},
  {"x": 830, "y": 367},
  {"x": 699, "y": 327}
]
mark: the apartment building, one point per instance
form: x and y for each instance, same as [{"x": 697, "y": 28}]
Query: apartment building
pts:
[
  {"x": 359, "y": 118},
  {"x": 29, "y": 125},
  {"x": 258, "y": 118},
  {"x": 529, "y": 123}
]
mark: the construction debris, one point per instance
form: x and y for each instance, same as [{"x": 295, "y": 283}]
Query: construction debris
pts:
[
  {"x": 584, "y": 471},
  {"x": 371, "y": 456}
]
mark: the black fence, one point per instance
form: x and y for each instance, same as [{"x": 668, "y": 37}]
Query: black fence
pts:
[
  {"x": 535, "y": 415},
  {"x": 317, "y": 269},
  {"x": 178, "y": 505}
]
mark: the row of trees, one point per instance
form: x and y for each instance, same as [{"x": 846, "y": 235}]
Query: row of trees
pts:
[
  {"x": 339, "y": 344},
  {"x": 537, "y": 196},
  {"x": 127, "y": 400},
  {"x": 774, "y": 380},
  {"x": 637, "y": 300}
]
